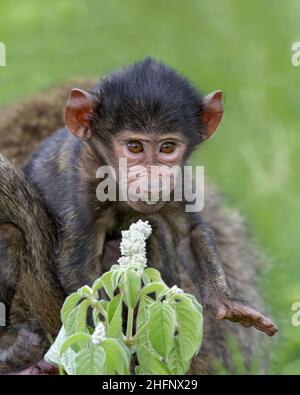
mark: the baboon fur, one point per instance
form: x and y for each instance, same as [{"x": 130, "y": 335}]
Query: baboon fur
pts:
[{"x": 24, "y": 125}]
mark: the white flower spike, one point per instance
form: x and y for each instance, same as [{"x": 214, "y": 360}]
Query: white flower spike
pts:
[
  {"x": 99, "y": 334},
  {"x": 133, "y": 244}
]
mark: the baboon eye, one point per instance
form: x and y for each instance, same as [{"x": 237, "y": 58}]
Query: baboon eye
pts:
[
  {"x": 135, "y": 147},
  {"x": 168, "y": 147}
]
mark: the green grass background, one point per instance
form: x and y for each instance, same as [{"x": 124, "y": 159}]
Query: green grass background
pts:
[{"x": 242, "y": 47}]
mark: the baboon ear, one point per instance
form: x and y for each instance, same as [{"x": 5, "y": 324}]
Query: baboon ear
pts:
[
  {"x": 212, "y": 113},
  {"x": 78, "y": 112}
]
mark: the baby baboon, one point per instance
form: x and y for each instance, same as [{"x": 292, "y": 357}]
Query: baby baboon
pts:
[{"x": 31, "y": 121}]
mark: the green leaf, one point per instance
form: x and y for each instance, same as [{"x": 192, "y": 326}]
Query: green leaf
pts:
[
  {"x": 96, "y": 317},
  {"x": 73, "y": 339},
  {"x": 146, "y": 279},
  {"x": 143, "y": 311},
  {"x": 112, "y": 307},
  {"x": 70, "y": 322},
  {"x": 117, "y": 357},
  {"x": 99, "y": 308},
  {"x": 53, "y": 354},
  {"x": 115, "y": 324},
  {"x": 132, "y": 286},
  {"x": 76, "y": 320},
  {"x": 90, "y": 361},
  {"x": 116, "y": 275},
  {"x": 98, "y": 284},
  {"x": 161, "y": 327},
  {"x": 176, "y": 363},
  {"x": 156, "y": 287},
  {"x": 195, "y": 302},
  {"x": 141, "y": 336},
  {"x": 69, "y": 304},
  {"x": 107, "y": 280},
  {"x": 140, "y": 371},
  {"x": 104, "y": 304},
  {"x": 149, "y": 362},
  {"x": 67, "y": 359},
  {"x": 85, "y": 292},
  {"x": 151, "y": 274},
  {"x": 190, "y": 328},
  {"x": 81, "y": 316}
]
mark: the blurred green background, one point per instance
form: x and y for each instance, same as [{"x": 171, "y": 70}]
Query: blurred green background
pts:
[{"x": 242, "y": 47}]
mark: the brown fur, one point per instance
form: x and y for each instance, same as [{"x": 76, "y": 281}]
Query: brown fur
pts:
[
  {"x": 34, "y": 259},
  {"x": 24, "y": 125}
]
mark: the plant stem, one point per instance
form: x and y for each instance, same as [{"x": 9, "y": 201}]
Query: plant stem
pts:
[{"x": 129, "y": 324}]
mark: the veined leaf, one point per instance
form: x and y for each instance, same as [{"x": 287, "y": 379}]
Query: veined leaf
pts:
[
  {"x": 90, "y": 361},
  {"x": 53, "y": 354},
  {"x": 81, "y": 316},
  {"x": 176, "y": 363},
  {"x": 70, "y": 322},
  {"x": 156, "y": 287},
  {"x": 77, "y": 321},
  {"x": 108, "y": 283},
  {"x": 103, "y": 305},
  {"x": 132, "y": 286},
  {"x": 161, "y": 327},
  {"x": 149, "y": 362},
  {"x": 73, "y": 339},
  {"x": 69, "y": 304},
  {"x": 108, "y": 280},
  {"x": 85, "y": 292},
  {"x": 143, "y": 311},
  {"x": 112, "y": 307},
  {"x": 195, "y": 302},
  {"x": 97, "y": 285},
  {"x": 116, "y": 275},
  {"x": 151, "y": 274},
  {"x": 190, "y": 328},
  {"x": 67, "y": 359},
  {"x": 141, "y": 336},
  {"x": 115, "y": 324},
  {"x": 117, "y": 357}
]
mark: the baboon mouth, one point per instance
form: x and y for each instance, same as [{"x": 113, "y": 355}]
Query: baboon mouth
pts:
[{"x": 146, "y": 206}]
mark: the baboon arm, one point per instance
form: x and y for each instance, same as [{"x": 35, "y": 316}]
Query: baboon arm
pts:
[{"x": 215, "y": 292}]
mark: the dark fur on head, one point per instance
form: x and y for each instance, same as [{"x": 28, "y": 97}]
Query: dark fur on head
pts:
[{"x": 147, "y": 96}]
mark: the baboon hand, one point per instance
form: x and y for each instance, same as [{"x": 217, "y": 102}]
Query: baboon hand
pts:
[{"x": 246, "y": 316}]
